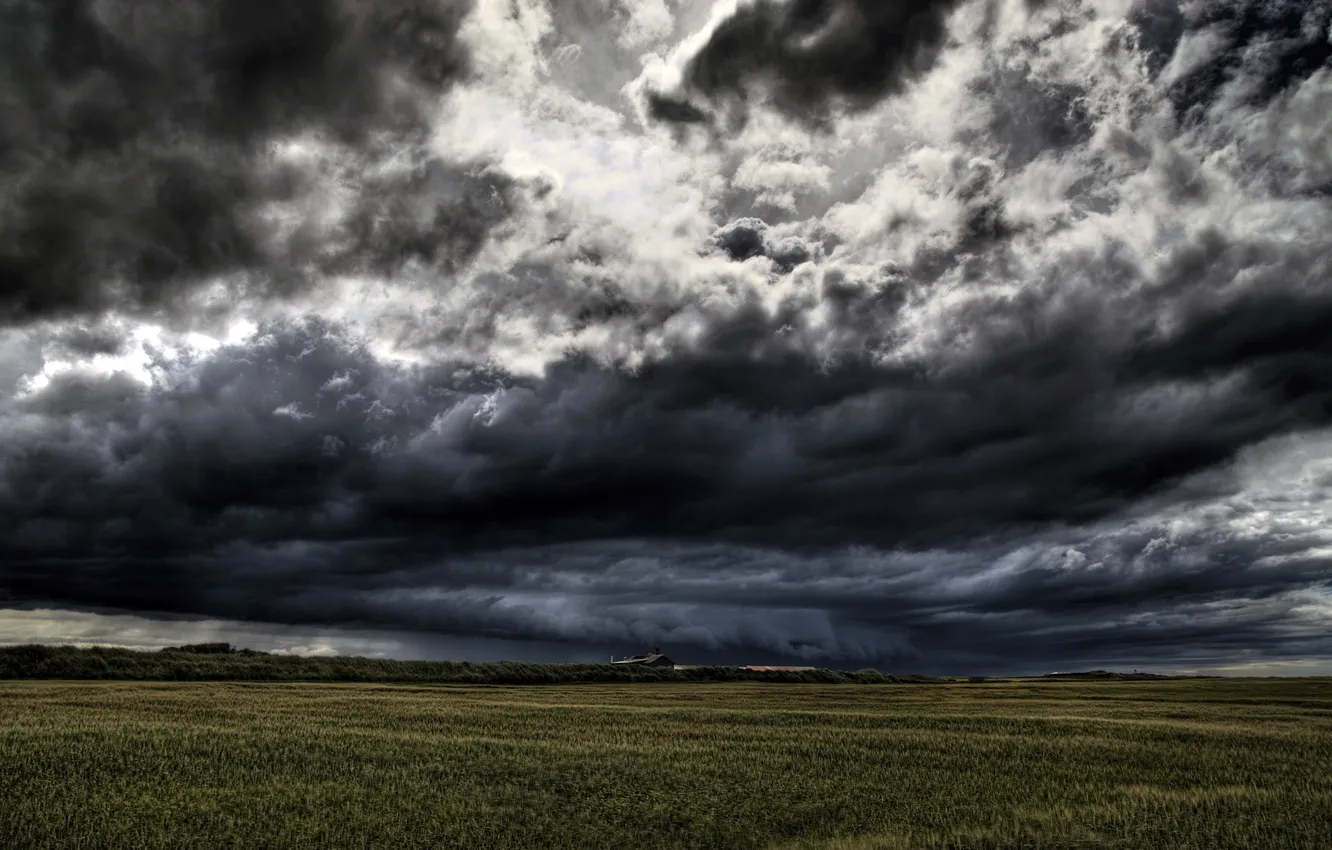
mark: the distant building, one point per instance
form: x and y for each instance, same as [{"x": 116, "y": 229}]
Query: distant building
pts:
[
  {"x": 648, "y": 659},
  {"x": 767, "y": 667}
]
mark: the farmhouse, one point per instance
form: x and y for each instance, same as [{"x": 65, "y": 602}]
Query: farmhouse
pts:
[{"x": 648, "y": 659}]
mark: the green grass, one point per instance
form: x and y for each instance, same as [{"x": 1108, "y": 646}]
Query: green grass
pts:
[{"x": 1175, "y": 764}]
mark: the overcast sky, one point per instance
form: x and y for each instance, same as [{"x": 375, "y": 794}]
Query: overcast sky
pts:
[{"x": 928, "y": 335}]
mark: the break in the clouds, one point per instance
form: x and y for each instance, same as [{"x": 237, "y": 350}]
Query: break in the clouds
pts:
[{"x": 977, "y": 336}]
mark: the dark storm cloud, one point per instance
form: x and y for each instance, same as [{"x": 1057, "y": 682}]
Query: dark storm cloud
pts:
[
  {"x": 663, "y": 108},
  {"x": 1027, "y": 439},
  {"x": 300, "y": 480},
  {"x": 810, "y": 56},
  {"x": 1148, "y": 594},
  {"x": 137, "y": 143},
  {"x": 1159, "y": 25},
  {"x": 751, "y": 237},
  {"x": 1266, "y": 47}
]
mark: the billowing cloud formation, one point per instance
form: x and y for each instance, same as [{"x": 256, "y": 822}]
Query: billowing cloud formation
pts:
[
  {"x": 1249, "y": 51},
  {"x": 1021, "y": 366},
  {"x": 810, "y": 56},
  {"x": 151, "y": 147}
]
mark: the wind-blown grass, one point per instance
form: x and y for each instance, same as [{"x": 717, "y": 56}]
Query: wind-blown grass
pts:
[{"x": 1175, "y": 764}]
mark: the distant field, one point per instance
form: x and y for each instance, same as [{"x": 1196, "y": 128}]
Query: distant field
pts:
[{"x": 1199, "y": 764}]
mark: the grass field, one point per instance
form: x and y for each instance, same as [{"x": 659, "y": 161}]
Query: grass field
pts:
[{"x": 1177, "y": 764}]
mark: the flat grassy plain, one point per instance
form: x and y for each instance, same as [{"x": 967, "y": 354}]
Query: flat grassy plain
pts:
[{"x": 1206, "y": 764}]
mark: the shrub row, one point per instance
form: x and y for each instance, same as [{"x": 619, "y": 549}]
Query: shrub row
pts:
[{"x": 221, "y": 662}]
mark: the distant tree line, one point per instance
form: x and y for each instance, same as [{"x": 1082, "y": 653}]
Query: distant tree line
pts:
[
  {"x": 1097, "y": 675},
  {"x": 223, "y": 662}
]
